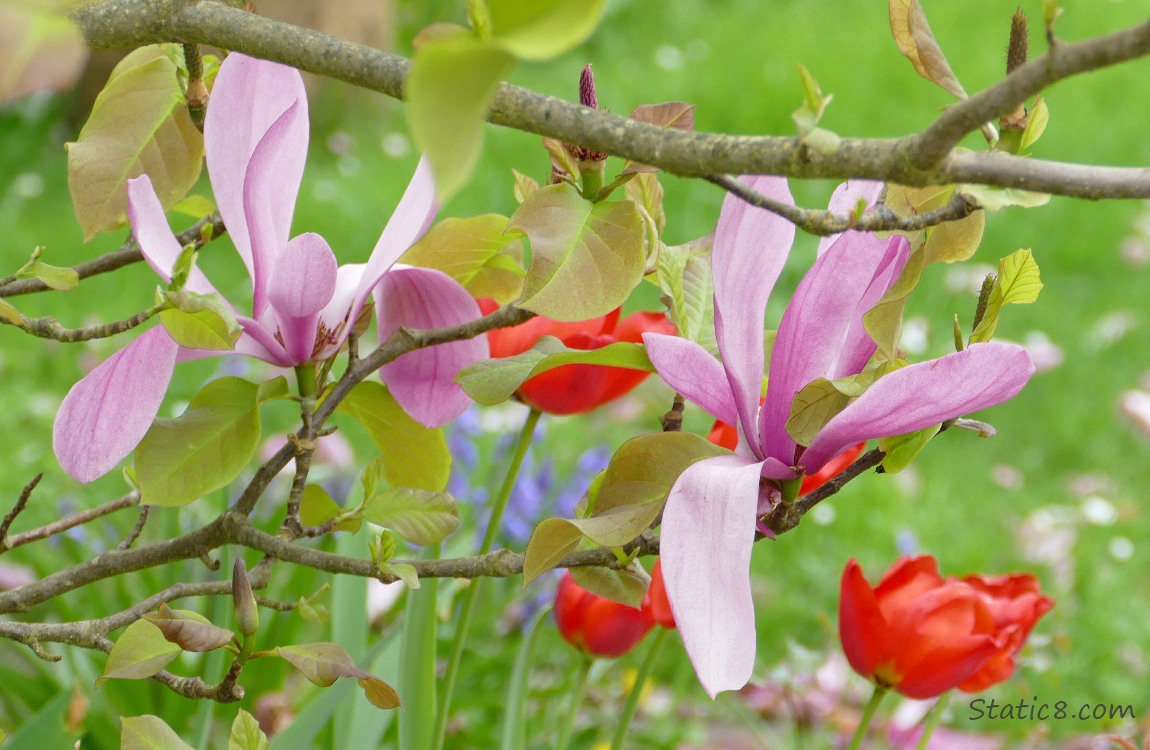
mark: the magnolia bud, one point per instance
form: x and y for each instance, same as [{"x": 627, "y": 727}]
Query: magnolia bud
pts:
[{"x": 247, "y": 612}]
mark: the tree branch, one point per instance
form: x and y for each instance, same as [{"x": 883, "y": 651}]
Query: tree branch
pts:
[
  {"x": 58, "y": 527},
  {"x": 913, "y": 160},
  {"x": 50, "y": 328}
]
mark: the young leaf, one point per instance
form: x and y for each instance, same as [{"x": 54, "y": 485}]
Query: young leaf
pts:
[
  {"x": 182, "y": 459},
  {"x": 418, "y": 515},
  {"x": 993, "y": 198},
  {"x": 412, "y": 455},
  {"x": 543, "y": 29},
  {"x": 644, "y": 468},
  {"x": 317, "y": 508},
  {"x": 646, "y": 191},
  {"x": 275, "y": 389},
  {"x": 246, "y": 733},
  {"x": 586, "y": 257},
  {"x": 626, "y": 586},
  {"x": 902, "y": 449},
  {"x": 139, "y": 125},
  {"x": 195, "y": 206},
  {"x": 1036, "y": 121},
  {"x": 379, "y": 693},
  {"x": 324, "y": 663},
  {"x": 551, "y": 541},
  {"x": 524, "y": 186},
  {"x": 492, "y": 381},
  {"x": 884, "y": 321},
  {"x": 953, "y": 241},
  {"x": 189, "y": 630},
  {"x": 477, "y": 252},
  {"x": 403, "y": 571},
  {"x": 449, "y": 90},
  {"x": 149, "y": 733},
  {"x": 1019, "y": 283},
  {"x": 140, "y": 652},
  {"x": 60, "y": 279},
  {"x": 10, "y": 314},
  {"x": 684, "y": 275},
  {"x": 674, "y": 115},
  {"x": 917, "y": 43},
  {"x": 206, "y": 328}
]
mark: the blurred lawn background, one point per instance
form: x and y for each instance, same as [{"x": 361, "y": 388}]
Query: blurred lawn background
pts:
[{"x": 1058, "y": 492}]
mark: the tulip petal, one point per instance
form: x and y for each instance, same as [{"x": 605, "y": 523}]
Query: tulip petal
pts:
[
  {"x": 106, "y": 414},
  {"x": 412, "y": 217},
  {"x": 692, "y": 372},
  {"x": 157, "y": 243},
  {"x": 248, "y": 96},
  {"x": 708, "y": 533},
  {"x": 844, "y": 201},
  {"x": 866, "y": 637},
  {"x": 423, "y": 381},
  {"x": 751, "y": 247},
  {"x": 925, "y": 394},
  {"x": 814, "y": 330}
]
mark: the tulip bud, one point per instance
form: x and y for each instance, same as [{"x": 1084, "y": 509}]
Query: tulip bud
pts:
[
  {"x": 598, "y": 626},
  {"x": 247, "y": 612}
]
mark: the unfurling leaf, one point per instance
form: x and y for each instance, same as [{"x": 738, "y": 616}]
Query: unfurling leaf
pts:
[
  {"x": 1036, "y": 120},
  {"x": 60, "y": 279},
  {"x": 418, "y": 515},
  {"x": 586, "y": 257},
  {"x": 139, "y": 125},
  {"x": 1018, "y": 282},
  {"x": 324, "y": 663},
  {"x": 884, "y": 321},
  {"x": 901, "y": 449},
  {"x": 149, "y": 733},
  {"x": 379, "y": 693},
  {"x": 684, "y": 275},
  {"x": 246, "y": 733},
  {"x": 188, "y": 630},
  {"x": 492, "y": 381},
  {"x": 198, "y": 321},
  {"x": 626, "y": 586},
  {"x": 917, "y": 43},
  {"x": 140, "y": 652},
  {"x": 524, "y": 186},
  {"x": 10, "y": 314},
  {"x": 673, "y": 115},
  {"x": 317, "y": 508},
  {"x": 411, "y": 455},
  {"x": 182, "y": 459},
  {"x": 477, "y": 252},
  {"x": 993, "y": 198}
]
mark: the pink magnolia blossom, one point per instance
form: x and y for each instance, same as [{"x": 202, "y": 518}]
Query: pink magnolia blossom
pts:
[
  {"x": 712, "y": 511},
  {"x": 303, "y": 301}
]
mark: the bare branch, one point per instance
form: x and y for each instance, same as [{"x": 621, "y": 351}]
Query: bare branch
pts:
[
  {"x": 50, "y": 328},
  {"x": 58, "y": 527},
  {"x": 17, "y": 509},
  {"x": 138, "y": 529}
]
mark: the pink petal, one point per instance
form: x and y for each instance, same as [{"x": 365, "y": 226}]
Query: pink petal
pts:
[
  {"x": 105, "y": 415},
  {"x": 692, "y": 372},
  {"x": 707, "y": 535},
  {"x": 858, "y": 347},
  {"x": 925, "y": 394},
  {"x": 412, "y": 217},
  {"x": 751, "y": 246},
  {"x": 301, "y": 284},
  {"x": 268, "y": 188},
  {"x": 157, "y": 243},
  {"x": 423, "y": 381},
  {"x": 249, "y": 95},
  {"x": 815, "y": 326},
  {"x": 844, "y": 200},
  {"x": 334, "y": 316}
]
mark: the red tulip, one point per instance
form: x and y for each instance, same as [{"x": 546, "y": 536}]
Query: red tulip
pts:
[
  {"x": 655, "y": 602},
  {"x": 576, "y": 389},
  {"x": 598, "y": 626},
  {"x": 921, "y": 634},
  {"x": 725, "y": 436}
]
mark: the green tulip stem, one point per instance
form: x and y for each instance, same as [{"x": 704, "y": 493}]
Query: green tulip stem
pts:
[
  {"x": 933, "y": 717},
  {"x": 471, "y": 595},
  {"x": 868, "y": 714},
  {"x": 573, "y": 711},
  {"x": 632, "y": 704}
]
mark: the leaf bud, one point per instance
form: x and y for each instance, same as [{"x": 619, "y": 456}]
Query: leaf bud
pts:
[{"x": 247, "y": 612}]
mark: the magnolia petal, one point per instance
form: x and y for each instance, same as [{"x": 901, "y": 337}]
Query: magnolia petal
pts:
[
  {"x": 858, "y": 347},
  {"x": 814, "y": 330},
  {"x": 708, "y": 533},
  {"x": 423, "y": 381},
  {"x": 691, "y": 371},
  {"x": 412, "y": 217},
  {"x": 751, "y": 246},
  {"x": 844, "y": 201},
  {"x": 106, "y": 414},
  {"x": 157, "y": 243},
  {"x": 268, "y": 186},
  {"x": 248, "y": 96},
  {"x": 925, "y": 394},
  {"x": 301, "y": 284}
]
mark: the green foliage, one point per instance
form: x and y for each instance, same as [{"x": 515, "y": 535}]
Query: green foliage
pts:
[
  {"x": 139, "y": 125},
  {"x": 684, "y": 276},
  {"x": 901, "y": 449},
  {"x": 60, "y": 279},
  {"x": 478, "y": 252},
  {"x": 140, "y": 652},
  {"x": 1018, "y": 283},
  {"x": 821, "y": 399},
  {"x": 493, "y": 381},
  {"x": 246, "y": 733},
  {"x": 189, "y": 630},
  {"x": 317, "y": 508},
  {"x": 808, "y": 115},
  {"x": 149, "y": 733},
  {"x": 543, "y": 29},
  {"x": 200, "y": 321},
  {"x": 585, "y": 257},
  {"x": 411, "y": 455},
  {"x": 626, "y": 586},
  {"x": 418, "y": 515},
  {"x": 182, "y": 459}
]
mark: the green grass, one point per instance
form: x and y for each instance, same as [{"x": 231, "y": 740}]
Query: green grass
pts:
[{"x": 736, "y": 61}]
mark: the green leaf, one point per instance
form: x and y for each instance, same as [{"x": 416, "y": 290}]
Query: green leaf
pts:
[
  {"x": 316, "y": 613},
  {"x": 276, "y": 389},
  {"x": 586, "y": 257},
  {"x": 323, "y": 663},
  {"x": 684, "y": 275},
  {"x": 317, "y": 508},
  {"x": 139, "y": 125},
  {"x": 1036, "y": 120},
  {"x": 902, "y": 449},
  {"x": 917, "y": 43},
  {"x": 821, "y": 399},
  {"x": 627, "y": 586},
  {"x": 647, "y": 192},
  {"x": 551, "y": 541},
  {"x": 403, "y": 571},
  {"x": 513, "y": 723},
  {"x": 140, "y": 652},
  {"x": 10, "y": 314},
  {"x": 56, "y": 277},
  {"x": 189, "y": 630},
  {"x": 201, "y": 322},
  {"x": 953, "y": 241},
  {"x": 419, "y": 516},
  {"x": 1018, "y": 283},
  {"x": 149, "y": 733},
  {"x": 524, "y": 186},
  {"x": 195, "y": 206},
  {"x": 644, "y": 468},
  {"x": 205, "y": 448},
  {"x": 993, "y": 198},
  {"x": 477, "y": 252},
  {"x": 449, "y": 91},
  {"x": 492, "y": 381},
  {"x": 246, "y": 733},
  {"x": 884, "y": 321},
  {"x": 543, "y": 29},
  {"x": 412, "y": 455}
]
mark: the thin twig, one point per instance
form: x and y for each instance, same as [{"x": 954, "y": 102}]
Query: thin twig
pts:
[
  {"x": 50, "y": 328},
  {"x": 58, "y": 527},
  {"x": 138, "y": 529},
  {"x": 17, "y": 509}
]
